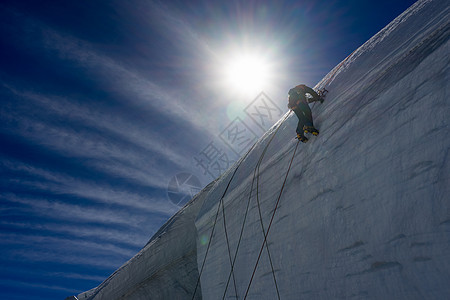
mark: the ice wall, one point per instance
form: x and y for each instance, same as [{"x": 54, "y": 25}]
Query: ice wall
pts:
[
  {"x": 365, "y": 211},
  {"x": 165, "y": 268}
]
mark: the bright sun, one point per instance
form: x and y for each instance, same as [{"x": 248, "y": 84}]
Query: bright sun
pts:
[{"x": 247, "y": 73}]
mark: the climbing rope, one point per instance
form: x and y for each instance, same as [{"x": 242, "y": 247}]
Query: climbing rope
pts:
[
  {"x": 215, "y": 222},
  {"x": 271, "y": 220},
  {"x": 247, "y": 209},
  {"x": 228, "y": 246},
  {"x": 264, "y": 232}
]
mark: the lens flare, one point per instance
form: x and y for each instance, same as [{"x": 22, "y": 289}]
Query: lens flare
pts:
[
  {"x": 204, "y": 240},
  {"x": 236, "y": 109}
]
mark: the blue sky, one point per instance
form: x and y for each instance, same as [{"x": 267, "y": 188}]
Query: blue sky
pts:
[{"x": 103, "y": 103}]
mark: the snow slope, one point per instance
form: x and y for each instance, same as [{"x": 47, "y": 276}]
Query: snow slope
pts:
[{"x": 364, "y": 212}]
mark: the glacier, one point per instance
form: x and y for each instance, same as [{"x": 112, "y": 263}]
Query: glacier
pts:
[{"x": 364, "y": 211}]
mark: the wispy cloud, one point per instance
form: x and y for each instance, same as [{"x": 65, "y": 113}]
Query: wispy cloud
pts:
[
  {"x": 56, "y": 274},
  {"x": 98, "y": 136},
  {"x": 124, "y": 80},
  {"x": 59, "y": 246},
  {"x": 62, "y": 211},
  {"x": 75, "y": 276},
  {"x": 16, "y": 283},
  {"x": 109, "y": 234},
  {"x": 92, "y": 257},
  {"x": 62, "y": 184},
  {"x": 175, "y": 23}
]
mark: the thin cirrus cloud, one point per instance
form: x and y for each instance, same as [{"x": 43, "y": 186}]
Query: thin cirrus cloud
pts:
[
  {"x": 124, "y": 81},
  {"x": 122, "y": 235},
  {"x": 138, "y": 91},
  {"x": 175, "y": 23},
  {"x": 59, "y": 211},
  {"x": 9, "y": 283},
  {"x": 76, "y": 276},
  {"x": 61, "y": 184},
  {"x": 93, "y": 257},
  {"x": 121, "y": 80},
  {"x": 98, "y": 135},
  {"x": 59, "y": 246}
]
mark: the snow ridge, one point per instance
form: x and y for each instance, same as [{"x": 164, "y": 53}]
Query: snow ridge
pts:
[{"x": 390, "y": 29}]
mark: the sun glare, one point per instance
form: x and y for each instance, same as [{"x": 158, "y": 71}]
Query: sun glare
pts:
[{"x": 247, "y": 73}]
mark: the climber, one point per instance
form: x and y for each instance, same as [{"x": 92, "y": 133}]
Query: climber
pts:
[{"x": 298, "y": 102}]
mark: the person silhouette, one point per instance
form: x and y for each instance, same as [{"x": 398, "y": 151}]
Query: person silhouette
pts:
[{"x": 298, "y": 102}]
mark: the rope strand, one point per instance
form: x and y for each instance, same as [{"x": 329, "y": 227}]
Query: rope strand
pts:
[
  {"x": 264, "y": 233},
  {"x": 215, "y": 220},
  {"x": 271, "y": 220},
  {"x": 248, "y": 202},
  {"x": 228, "y": 246}
]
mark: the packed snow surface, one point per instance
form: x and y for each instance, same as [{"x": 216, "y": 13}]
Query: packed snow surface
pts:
[{"x": 365, "y": 209}]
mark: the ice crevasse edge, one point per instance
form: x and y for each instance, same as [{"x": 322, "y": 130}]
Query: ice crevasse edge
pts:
[{"x": 365, "y": 211}]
